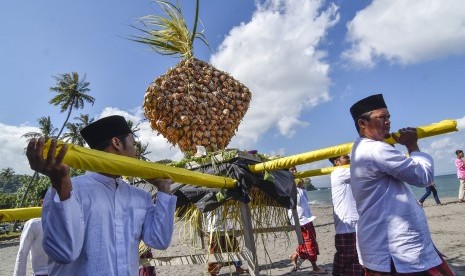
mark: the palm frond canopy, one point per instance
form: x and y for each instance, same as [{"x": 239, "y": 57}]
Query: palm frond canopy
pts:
[
  {"x": 46, "y": 129},
  {"x": 74, "y": 135},
  {"x": 84, "y": 120},
  {"x": 72, "y": 92}
]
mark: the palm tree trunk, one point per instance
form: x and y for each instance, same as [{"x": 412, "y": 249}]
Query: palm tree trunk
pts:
[
  {"x": 66, "y": 121},
  {"x": 34, "y": 177}
]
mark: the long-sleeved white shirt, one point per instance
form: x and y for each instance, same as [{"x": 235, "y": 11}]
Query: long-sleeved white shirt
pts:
[
  {"x": 345, "y": 210},
  {"x": 303, "y": 208},
  {"x": 98, "y": 229},
  {"x": 31, "y": 242},
  {"x": 392, "y": 225}
]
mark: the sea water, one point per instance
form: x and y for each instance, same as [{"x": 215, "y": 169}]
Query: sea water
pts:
[{"x": 446, "y": 185}]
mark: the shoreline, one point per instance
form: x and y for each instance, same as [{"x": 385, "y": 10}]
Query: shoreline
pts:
[{"x": 445, "y": 223}]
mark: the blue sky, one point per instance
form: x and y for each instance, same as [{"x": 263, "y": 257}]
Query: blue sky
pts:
[{"x": 306, "y": 62}]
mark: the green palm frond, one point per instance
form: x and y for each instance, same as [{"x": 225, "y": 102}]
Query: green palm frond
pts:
[
  {"x": 168, "y": 34},
  {"x": 72, "y": 92}
]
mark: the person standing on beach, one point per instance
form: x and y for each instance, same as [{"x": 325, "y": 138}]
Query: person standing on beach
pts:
[
  {"x": 345, "y": 218},
  {"x": 30, "y": 243},
  {"x": 93, "y": 223},
  {"x": 309, "y": 250},
  {"x": 393, "y": 236},
  {"x": 429, "y": 190},
  {"x": 460, "y": 174}
]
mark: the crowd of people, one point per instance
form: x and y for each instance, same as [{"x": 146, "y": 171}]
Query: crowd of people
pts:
[{"x": 94, "y": 224}]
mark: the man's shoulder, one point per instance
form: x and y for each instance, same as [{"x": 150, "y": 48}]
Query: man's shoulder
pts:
[
  {"x": 370, "y": 143},
  {"x": 32, "y": 223},
  {"x": 340, "y": 179},
  {"x": 341, "y": 170}
]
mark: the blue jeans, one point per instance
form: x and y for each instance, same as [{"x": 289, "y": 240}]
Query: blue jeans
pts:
[{"x": 430, "y": 189}]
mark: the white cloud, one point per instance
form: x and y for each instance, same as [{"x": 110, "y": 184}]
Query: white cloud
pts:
[
  {"x": 286, "y": 125},
  {"x": 406, "y": 32},
  {"x": 276, "y": 55},
  {"x": 461, "y": 123},
  {"x": 13, "y": 145}
]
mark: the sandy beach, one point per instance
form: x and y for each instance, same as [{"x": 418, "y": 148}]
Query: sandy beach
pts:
[{"x": 446, "y": 222}]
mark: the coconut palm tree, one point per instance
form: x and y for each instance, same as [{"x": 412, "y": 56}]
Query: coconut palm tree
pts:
[
  {"x": 46, "y": 129},
  {"x": 73, "y": 134},
  {"x": 84, "y": 120},
  {"x": 74, "y": 130},
  {"x": 7, "y": 173},
  {"x": 72, "y": 93},
  {"x": 141, "y": 150},
  {"x": 193, "y": 103}
]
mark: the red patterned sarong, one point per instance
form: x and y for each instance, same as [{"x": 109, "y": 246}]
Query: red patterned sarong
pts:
[
  {"x": 346, "y": 259},
  {"x": 308, "y": 250},
  {"x": 440, "y": 270}
]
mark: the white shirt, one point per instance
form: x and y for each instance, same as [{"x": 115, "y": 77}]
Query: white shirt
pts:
[
  {"x": 31, "y": 241},
  {"x": 392, "y": 224},
  {"x": 216, "y": 220},
  {"x": 303, "y": 208},
  {"x": 98, "y": 229},
  {"x": 345, "y": 211}
]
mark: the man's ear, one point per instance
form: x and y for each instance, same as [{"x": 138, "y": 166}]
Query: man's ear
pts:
[
  {"x": 361, "y": 123},
  {"x": 117, "y": 144}
]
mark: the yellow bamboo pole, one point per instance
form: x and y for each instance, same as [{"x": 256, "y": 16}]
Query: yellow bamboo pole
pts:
[
  {"x": 317, "y": 172},
  {"x": 104, "y": 162},
  {"x": 20, "y": 213},
  {"x": 442, "y": 127}
]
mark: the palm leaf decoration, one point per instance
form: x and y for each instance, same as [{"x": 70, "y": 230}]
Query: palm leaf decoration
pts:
[
  {"x": 192, "y": 103},
  {"x": 168, "y": 35}
]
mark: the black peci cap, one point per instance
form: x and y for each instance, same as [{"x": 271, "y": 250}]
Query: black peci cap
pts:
[
  {"x": 367, "y": 104},
  {"x": 106, "y": 128},
  {"x": 332, "y": 159}
]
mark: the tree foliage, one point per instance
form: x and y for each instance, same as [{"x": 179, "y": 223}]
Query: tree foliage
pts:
[
  {"x": 72, "y": 93},
  {"x": 32, "y": 197},
  {"x": 46, "y": 129},
  {"x": 9, "y": 181}
]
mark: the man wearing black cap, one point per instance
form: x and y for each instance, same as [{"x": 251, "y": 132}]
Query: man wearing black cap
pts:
[
  {"x": 93, "y": 223},
  {"x": 392, "y": 231}
]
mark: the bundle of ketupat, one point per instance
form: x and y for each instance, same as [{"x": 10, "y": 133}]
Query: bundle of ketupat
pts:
[{"x": 193, "y": 103}]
